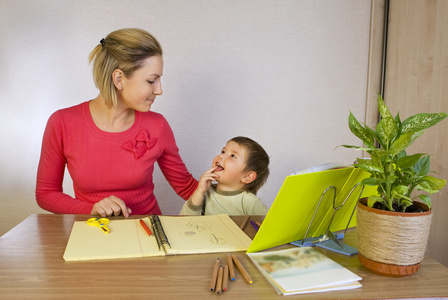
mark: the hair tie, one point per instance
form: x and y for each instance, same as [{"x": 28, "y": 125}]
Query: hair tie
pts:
[{"x": 103, "y": 42}]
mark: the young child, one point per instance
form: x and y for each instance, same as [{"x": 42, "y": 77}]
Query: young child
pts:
[{"x": 240, "y": 170}]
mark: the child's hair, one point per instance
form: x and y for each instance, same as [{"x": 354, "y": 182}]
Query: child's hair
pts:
[
  {"x": 257, "y": 160},
  {"x": 125, "y": 49}
]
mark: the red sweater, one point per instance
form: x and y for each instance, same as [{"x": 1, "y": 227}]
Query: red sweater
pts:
[{"x": 102, "y": 163}]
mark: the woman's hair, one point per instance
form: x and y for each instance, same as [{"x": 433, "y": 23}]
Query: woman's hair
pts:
[
  {"x": 124, "y": 49},
  {"x": 257, "y": 160}
]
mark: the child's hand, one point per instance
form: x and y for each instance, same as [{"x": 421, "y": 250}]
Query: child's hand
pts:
[
  {"x": 204, "y": 183},
  {"x": 206, "y": 179}
]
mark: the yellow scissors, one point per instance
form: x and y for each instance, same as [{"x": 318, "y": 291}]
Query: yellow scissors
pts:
[{"x": 99, "y": 222}]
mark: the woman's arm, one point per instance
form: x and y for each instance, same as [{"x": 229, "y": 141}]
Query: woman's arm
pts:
[
  {"x": 172, "y": 166},
  {"x": 50, "y": 173}
]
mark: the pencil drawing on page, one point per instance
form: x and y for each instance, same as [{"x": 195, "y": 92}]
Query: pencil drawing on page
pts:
[
  {"x": 194, "y": 228},
  {"x": 218, "y": 241},
  {"x": 200, "y": 226}
]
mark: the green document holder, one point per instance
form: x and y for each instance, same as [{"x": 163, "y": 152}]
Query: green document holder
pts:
[{"x": 330, "y": 240}]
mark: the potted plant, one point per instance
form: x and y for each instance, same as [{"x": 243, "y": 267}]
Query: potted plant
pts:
[{"x": 393, "y": 225}]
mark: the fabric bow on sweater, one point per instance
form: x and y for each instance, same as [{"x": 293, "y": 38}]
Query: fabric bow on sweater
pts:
[{"x": 140, "y": 145}]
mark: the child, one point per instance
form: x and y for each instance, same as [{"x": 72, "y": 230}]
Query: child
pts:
[{"x": 240, "y": 170}]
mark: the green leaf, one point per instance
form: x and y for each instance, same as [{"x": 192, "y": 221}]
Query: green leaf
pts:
[
  {"x": 382, "y": 109},
  {"x": 421, "y": 121},
  {"x": 373, "y": 199},
  {"x": 370, "y": 181},
  {"x": 404, "y": 141},
  {"x": 398, "y": 122},
  {"x": 370, "y": 168},
  {"x": 400, "y": 190},
  {"x": 382, "y": 135},
  {"x": 434, "y": 183},
  {"x": 377, "y": 157},
  {"x": 422, "y": 166},
  {"x": 363, "y": 161},
  {"x": 358, "y": 130},
  {"x": 387, "y": 128},
  {"x": 425, "y": 199},
  {"x": 372, "y": 133},
  {"x": 408, "y": 161},
  {"x": 404, "y": 203}
]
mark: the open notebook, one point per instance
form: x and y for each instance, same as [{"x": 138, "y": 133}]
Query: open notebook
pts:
[{"x": 127, "y": 238}]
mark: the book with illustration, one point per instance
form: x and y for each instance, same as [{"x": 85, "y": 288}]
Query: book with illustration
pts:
[
  {"x": 303, "y": 270},
  {"x": 171, "y": 235}
]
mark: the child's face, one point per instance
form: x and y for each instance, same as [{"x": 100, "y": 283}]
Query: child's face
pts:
[{"x": 230, "y": 165}]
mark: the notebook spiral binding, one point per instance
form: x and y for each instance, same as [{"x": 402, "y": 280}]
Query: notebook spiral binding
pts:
[{"x": 161, "y": 237}]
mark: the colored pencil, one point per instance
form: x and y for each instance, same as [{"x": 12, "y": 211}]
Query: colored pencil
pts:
[
  {"x": 219, "y": 281},
  {"x": 242, "y": 270},
  {"x": 145, "y": 227},
  {"x": 231, "y": 268},
  {"x": 246, "y": 219},
  {"x": 225, "y": 279},
  {"x": 214, "y": 275}
]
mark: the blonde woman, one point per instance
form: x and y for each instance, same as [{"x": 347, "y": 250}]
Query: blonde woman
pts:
[{"x": 110, "y": 143}]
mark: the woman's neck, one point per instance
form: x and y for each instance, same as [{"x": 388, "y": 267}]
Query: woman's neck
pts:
[{"x": 111, "y": 119}]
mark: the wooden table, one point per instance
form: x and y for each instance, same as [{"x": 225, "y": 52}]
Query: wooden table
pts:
[{"x": 32, "y": 267}]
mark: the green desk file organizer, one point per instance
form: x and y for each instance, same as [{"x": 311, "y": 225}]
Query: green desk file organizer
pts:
[{"x": 303, "y": 210}]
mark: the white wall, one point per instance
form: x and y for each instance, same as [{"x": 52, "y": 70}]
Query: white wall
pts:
[{"x": 285, "y": 73}]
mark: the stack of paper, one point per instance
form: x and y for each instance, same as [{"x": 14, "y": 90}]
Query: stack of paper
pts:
[{"x": 303, "y": 270}]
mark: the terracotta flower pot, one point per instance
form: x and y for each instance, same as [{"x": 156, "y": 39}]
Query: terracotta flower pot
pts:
[{"x": 392, "y": 243}]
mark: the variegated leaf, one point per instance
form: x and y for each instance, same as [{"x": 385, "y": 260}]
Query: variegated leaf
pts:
[{"x": 421, "y": 121}]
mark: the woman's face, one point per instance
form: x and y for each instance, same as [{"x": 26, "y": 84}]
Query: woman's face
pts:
[{"x": 141, "y": 88}]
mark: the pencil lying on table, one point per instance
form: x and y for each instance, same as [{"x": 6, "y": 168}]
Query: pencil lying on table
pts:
[
  {"x": 246, "y": 219},
  {"x": 225, "y": 279},
  {"x": 215, "y": 275},
  {"x": 231, "y": 268},
  {"x": 242, "y": 270},
  {"x": 219, "y": 281}
]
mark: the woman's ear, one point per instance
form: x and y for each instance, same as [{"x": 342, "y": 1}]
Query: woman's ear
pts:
[
  {"x": 117, "y": 78},
  {"x": 249, "y": 177}
]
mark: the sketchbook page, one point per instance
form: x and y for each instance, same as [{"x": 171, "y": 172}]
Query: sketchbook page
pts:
[
  {"x": 302, "y": 269},
  {"x": 294, "y": 206},
  {"x": 148, "y": 243},
  {"x": 203, "y": 234},
  {"x": 89, "y": 242}
]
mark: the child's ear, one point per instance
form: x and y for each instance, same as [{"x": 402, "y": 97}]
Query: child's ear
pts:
[{"x": 249, "y": 177}]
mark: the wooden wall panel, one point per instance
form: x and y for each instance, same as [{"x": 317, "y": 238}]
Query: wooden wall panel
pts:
[
  {"x": 375, "y": 66},
  {"x": 417, "y": 81}
]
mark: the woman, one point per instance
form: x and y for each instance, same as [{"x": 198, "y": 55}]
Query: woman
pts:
[{"x": 110, "y": 143}]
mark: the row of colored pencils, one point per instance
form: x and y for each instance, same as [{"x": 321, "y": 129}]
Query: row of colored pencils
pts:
[{"x": 220, "y": 277}]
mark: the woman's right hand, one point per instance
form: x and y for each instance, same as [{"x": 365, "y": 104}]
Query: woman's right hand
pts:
[{"x": 111, "y": 206}]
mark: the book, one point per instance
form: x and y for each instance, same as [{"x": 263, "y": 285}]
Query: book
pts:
[
  {"x": 173, "y": 235},
  {"x": 322, "y": 167},
  {"x": 303, "y": 270},
  {"x": 296, "y": 213}
]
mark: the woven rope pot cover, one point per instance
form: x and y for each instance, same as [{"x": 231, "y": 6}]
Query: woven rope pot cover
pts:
[{"x": 392, "y": 243}]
